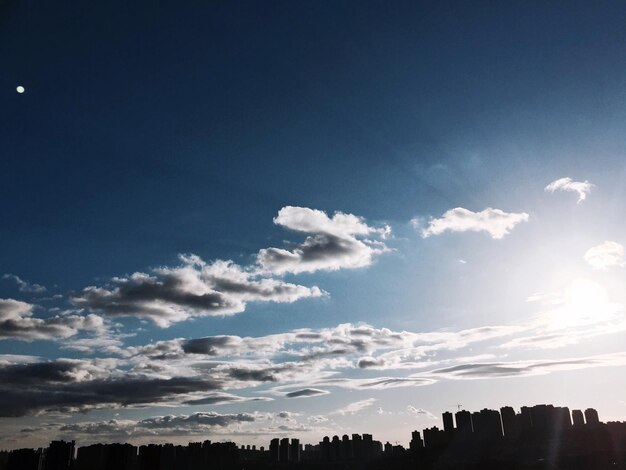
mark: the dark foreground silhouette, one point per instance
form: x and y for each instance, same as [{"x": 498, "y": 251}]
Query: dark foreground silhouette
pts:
[{"x": 538, "y": 437}]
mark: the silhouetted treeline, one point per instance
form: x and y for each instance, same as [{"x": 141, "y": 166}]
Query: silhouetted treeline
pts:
[{"x": 536, "y": 438}]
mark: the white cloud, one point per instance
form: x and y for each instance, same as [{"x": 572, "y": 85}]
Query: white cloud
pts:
[
  {"x": 195, "y": 288},
  {"x": 493, "y": 221},
  {"x": 567, "y": 184},
  {"x": 337, "y": 242},
  {"x": 25, "y": 286},
  {"x": 605, "y": 255},
  {"x": 17, "y": 322},
  {"x": 420, "y": 412},
  {"x": 355, "y": 407}
]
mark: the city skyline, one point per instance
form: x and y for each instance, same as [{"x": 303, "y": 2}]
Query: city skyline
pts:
[
  {"x": 539, "y": 436},
  {"x": 249, "y": 220}
]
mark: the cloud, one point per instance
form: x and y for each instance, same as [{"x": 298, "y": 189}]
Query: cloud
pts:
[
  {"x": 167, "y": 295},
  {"x": 336, "y": 242},
  {"x": 489, "y": 370},
  {"x": 223, "y": 398},
  {"x": 195, "y": 423},
  {"x": 567, "y": 184},
  {"x": 355, "y": 407},
  {"x": 224, "y": 369},
  {"x": 420, "y": 412},
  {"x": 493, "y": 221},
  {"x": 25, "y": 286},
  {"x": 195, "y": 420},
  {"x": 195, "y": 288},
  {"x": 306, "y": 392},
  {"x": 605, "y": 255},
  {"x": 17, "y": 322}
]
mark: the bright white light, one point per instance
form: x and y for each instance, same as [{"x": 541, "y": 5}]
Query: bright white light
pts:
[
  {"x": 583, "y": 302},
  {"x": 20, "y": 89}
]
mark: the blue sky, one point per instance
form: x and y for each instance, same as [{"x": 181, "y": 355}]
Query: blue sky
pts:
[{"x": 374, "y": 193}]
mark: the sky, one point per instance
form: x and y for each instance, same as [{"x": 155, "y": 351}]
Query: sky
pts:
[{"x": 246, "y": 220}]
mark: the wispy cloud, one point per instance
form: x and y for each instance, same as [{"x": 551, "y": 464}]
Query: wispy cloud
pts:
[
  {"x": 495, "y": 222},
  {"x": 355, "y": 407},
  {"x": 605, "y": 255},
  {"x": 582, "y": 188},
  {"x": 25, "y": 286},
  {"x": 490, "y": 370}
]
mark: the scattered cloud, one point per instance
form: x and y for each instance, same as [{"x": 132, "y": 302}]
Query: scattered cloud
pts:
[
  {"x": 493, "y": 221},
  {"x": 605, "y": 255},
  {"x": 420, "y": 412},
  {"x": 25, "y": 286},
  {"x": 582, "y": 188},
  {"x": 195, "y": 288},
  {"x": 17, "y": 322},
  {"x": 337, "y": 242},
  {"x": 167, "y": 295},
  {"x": 306, "y": 392}
]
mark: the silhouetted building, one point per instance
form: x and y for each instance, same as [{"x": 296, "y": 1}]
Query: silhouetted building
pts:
[
  {"x": 416, "y": 443},
  {"x": 25, "y": 459},
  {"x": 106, "y": 457},
  {"x": 591, "y": 417},
  {"x": 435, "y": 438},
  {"x": 578, "y": 418},
  {"x": 368, "y": 446},
  {"x": 448, "y": 423},
  {"x": 284, "y": 450},
  {"x": 510, "y": 424},
  {"x": 274, "y": 446},
  {"x": 59, "y": 455},
  {"x": 463, "y": 423},
  {"x": 487, "y": 424},
  {"x": 357, "y": 446},
  {"x": 525, "y": 419},
  {"x": 346, "y": 447},
  {"x": 294, "y": 451},
  {"x": 335, "y": 448}
]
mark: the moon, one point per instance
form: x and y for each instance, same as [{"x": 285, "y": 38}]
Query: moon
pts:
[{"x": 20, "y": 89}]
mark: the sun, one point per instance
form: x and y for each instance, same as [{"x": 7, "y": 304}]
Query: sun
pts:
[{"x": 583, "y": 302}]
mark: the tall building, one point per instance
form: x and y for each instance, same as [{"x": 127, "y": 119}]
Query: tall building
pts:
[
  {"x": 59, "y": 455},
  {"x": 325, "y": 449},
  {"x": 448, "y": 423},
  {"x": 357, "y": 446},
  {"x": 563, "y": 417},
  {"x": 463, "y": 422},
  {"x": 346, "y": 447},
  {"x": 416, "y": 441},
  {"x": 274, "y": 446},
  {"x": 368, "y": 446},
  {"x": 578, "y": 418},
  {"x": 294, "y": 451},
  {"x": 591, "y": 417},
  {"x": 509, "y": 421},
  {"x": 283, "y": 450},
  {"x": 490, "y": 425},
  {"x": 335, "y": 448},
  {"x": 435, "y": 438},
  {"x": 525, "y": 419}
]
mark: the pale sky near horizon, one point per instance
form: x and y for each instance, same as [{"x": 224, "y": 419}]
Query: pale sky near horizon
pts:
[{"x": 247, "y": 220}]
